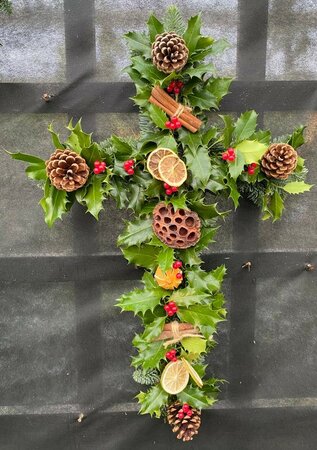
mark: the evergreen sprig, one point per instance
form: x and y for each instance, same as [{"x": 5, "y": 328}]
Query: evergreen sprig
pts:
[{"x": 6, "y": 6}]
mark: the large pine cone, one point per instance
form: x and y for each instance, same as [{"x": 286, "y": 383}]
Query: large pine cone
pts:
[
  {"x": 186, "y": 427},
  {"x": 67, "y": 170},
  {"x": 279, "y": 161},
  {"x": 169, "y": 52},
  {"x": 177, "y": 229}
]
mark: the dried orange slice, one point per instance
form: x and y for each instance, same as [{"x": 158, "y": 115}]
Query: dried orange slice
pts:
[
  {"x": 153, "y": 161},
  {"x": 192, "y": 372},
  {"x": 172, "y": 170},
  {"x": 168, "y": 280},
  {"x": 175, "y": 377}
]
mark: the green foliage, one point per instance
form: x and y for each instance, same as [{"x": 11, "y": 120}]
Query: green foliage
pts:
[
  {"x": 54, "y": 203},
  {"x": 173, "y": 20},
  {"x": 136, "y": 233},
  {"x": 297, "y": 187},
  {"x": 149, "y": 377},
  {"x": 141, "y": 300},
  {"x": 36, "y": 169},
  {"x": 152, "y": 401},
  {"x": 245, "y": 126},
  {"x": 6, "y": 6}
]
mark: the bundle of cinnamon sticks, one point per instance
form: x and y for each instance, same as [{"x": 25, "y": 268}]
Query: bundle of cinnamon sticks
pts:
[
  {"x": 174, "y": 332},
  {"x": 164, "y": 101}
]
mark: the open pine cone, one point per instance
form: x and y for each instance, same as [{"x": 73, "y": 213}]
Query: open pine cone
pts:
[
  {"x": 67, "y": 170},
  {"x": 186, "y": 427},
  {"x": 177, "y": 229},
  {"x": 169, "y": 52},
  {"x": 279, "y": 161}
]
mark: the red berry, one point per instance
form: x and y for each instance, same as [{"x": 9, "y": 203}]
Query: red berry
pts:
[
  {"x": 179, "y": 83},
  {"x": 166, "y": 307},
  {"x": 225, "y": 156},
  {"x": 169, "y": 192},
  {"x": 186, "y": 407},
  {"x": 189, "y": 412},
  {"x": 174, "y": 188},
  {"x": 96, "y": 170},
  {"x": 174, "y": 119},
  {"x": 168, "y": 124},
  {"x": 177, "y": 90},
  {"x": 173, "y": 351},
  {"x": 174, "y": 309},
  {"x": 178, "y": 124},
  {"x": 171, "y": 304},
  {"x": 177, "y": 264},
  {"x": 130, "y": 162},
  {"x": 166, "y": 186},
  {"x": 173, "y": 126},
  {"x": 174, "y": 359},
  {"x": 180, "y": 415},
  {"x": 179, "y": 275},
  {"x": 170, "y": 88},
  {"x": 254, "y": 165},
  {"x": 231, "y": 151},
  {"x": 130, "y": 171},
  {"x": 96, "y": 163},
  {"x": 251, "y": 171},
  {"x": 231, "y": 157},
  {"x": 170, "y": 313}
]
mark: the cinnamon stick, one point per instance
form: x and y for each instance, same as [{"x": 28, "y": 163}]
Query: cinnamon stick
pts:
[{"x": 171, "y": 113}]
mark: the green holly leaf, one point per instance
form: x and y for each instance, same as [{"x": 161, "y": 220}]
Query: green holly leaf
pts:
[
  {"x": 203, "y": 282},
  {"x": 195, "y": 397},
  {"x": 165, "y": 258},
  {"x": 179, "y": 202},
  {"x": 95, "y": 195},
  {"x": 54, "y": 203},
  {"x": 142, "y": 96},
  {"x": 297, "y": 187},
  {"x": 202, "y": 98},
  {"x": 138, "y": 43},
  {"x": 206, "y": 238},
  {"x": 147, "y": 70},
  {"x": 191, "y": 140},
  {"x": 155, "y": 27},
  {"x": 158, "y": 116},
  {"x": 202, "y": 316},
  {"x": 227, "y": 131},
  {"x": 36, "y": 170},
  {"x": 209, "y": 135},
  {"x": 154, "y": 329},
  {"x": 150, "y": 354},
  {"x": 205, "y": 212},
  {"x": 251, "y": 150},
  {"x": 141, "y": 300},
  {"x": 262, "y": 136},
  {"x": 78, "y": 139},
  {"x": 187, "y": 296},
  {"x": 234, "y": 193},
  {"x": 198, "y": 162},
  {"x": 167, "y": 141},
  {"x": 245, "y": 126},
  {"x": 136, "y": 233},
  {"x": 219, "y": 87},
  {"x": 122, "y": 149},
  {"x": 276, "y": 206},
  {"x": 220, "y": 46},
  {"x": 190, "y": 257},
  {"x": 55, "y": 137},
  {"x": 152, "y": 401},
  {"x": 200, "y": 70},
  {"x": 236, "y": 167},
  {"x": 192, "y": 33},
  {"x": 195, "y": 345},
  {"x": 297, "y": 137},
  {"x": 92, "y": 154},
  {"x": 143, "y": 256}
]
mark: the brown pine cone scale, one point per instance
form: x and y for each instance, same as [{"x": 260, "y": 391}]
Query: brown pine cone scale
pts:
[
  {"x": 187, "y": 427},
  {"x": 67, "y": 170},
  {"x": 169, "y": 52},
  {"x": 279, "y": 161}
]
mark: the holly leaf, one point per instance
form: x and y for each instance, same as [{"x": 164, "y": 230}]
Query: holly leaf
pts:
[
  {"x": 297, "y": 137},
  {"x": 219, "y": 87},
  {"x": 144, "y": 256},
  {"x": 147, "y": 70},
  {"x": 138, "y": 43},
  {"x": 202, "y": 316},
  {"x": 251, "y": 150},
  {"x": 192, "y": 140},
  {"x": 141, "y": 300},
  {"x": 202, "y": 98},
  {"x": 55, "y": 138},
  {"x": 192, "y": 33},
  {"x": 236, "y": 167},
  {"x": 165, "y": 258},
  {"x": 200, "y": 166},
  {"x": 136, "y": 233},
  {"x": 187, "y": 296},
  {"x": 152, "y": 401},
  {"x": 150, "y": 354},
  {"x": 234, "y": 193},
  {"x": 155, "y": 27},
  {"x": 158, "y": 116},
  {"x": 167, "y": 141},
  {"x": 194, "y": 345},
  {"x": 200, "y": 70},
  {"x": 262, "y": 136},
  {"x": 195, "y": 397},
  {"x": 92, "y": 154},
  {"x": 190, "y": 256},
  {"x": 203, "y": 282},
  {"x": 276, "y": 206},
  {"x": 297, "y": 187},
  {"x": 206, "y": 237},
  {"x": 154, "y": 329},
  {"x": 36, "y": 170},
  {"x": 122, "y": 149},
  {"x": 227, "y": 131},
  {"x": 205, "y": 212},
  {"x": 220, "y": 46},
  {"x": 78, "y": 139},
  {"x": 179, "y": 202},
  {"x": 54, "y": 203},
  {"x": 245, "y": 126},
  {"x": 94, "y": 196}
]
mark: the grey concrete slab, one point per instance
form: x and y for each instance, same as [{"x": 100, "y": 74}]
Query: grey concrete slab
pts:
[
  {"x": 38, "y": 344},
  {"x": 285, "y": 338},
  {"x": 33, "y": 42},
  {"x": 115, "y": 19},
  {"x": 291, "y": 44}
]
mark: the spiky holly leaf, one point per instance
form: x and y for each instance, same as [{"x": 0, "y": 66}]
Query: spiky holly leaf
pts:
[
  {"x": 236, "y": 167},
  {"x": 190, "y": 257},
  {"x": 54, "y": 203},
  {"x": 199, "y": 164},
  {"x": 136, "y": 233},
  {"x": 158, "y": 116},
  {"x": 165, "y": 258},
  {"x": 178, "y": 202},
  {"x": 187, "y": 296},
  {"x": 154, "y": 329},
  {"x": 203, "y": 281},
  {"x": 146, "y": 70},
  {"x": 276, "y": 206},
  {"x": 195, "y": 397},
  {"x": 219, "y": 87},
  {"x": 78, "y": 139},
  {"x": 297, "y": 137},
  {"x": 297, "y": 187},
  {"x": 227, "y": 131},
  {"x": 206, "y": 238},
  {"x": 194, "y": 345},
  {"x": 150, "y": 353},
  {"x": 155, "y": 27},
  {"x": 138, "y": 43},
  {"x": 36, "y": 170},
  {"x": 94, "y": 194},
  {"x": 92, "y": 154},
  {"x": 245, "y": 126},
  {"x": 251, "y": 150},
  {"x": 141, "y": 300},
  {"x": 203, "y": 316},
  {"x": 152, "y": 401},
  {"x": 192, "y": 33},
  {"x": 55, "y": 137},
  {"x": 143, "y": 256},
  {"x": 200, "y": 70},
  {"x": 204, "y": 211},
  {"x": 233, "y": 191}
]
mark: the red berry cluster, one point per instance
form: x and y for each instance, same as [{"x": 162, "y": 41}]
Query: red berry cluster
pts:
[
  {"x": 99, "y": 167},
  {"x": 173, "y": 124},
  {"x": 169, "y": 190},
  {"x": 175, "y": 87},
  {"x": 251, "y": 168},
  {"x": 171, "y": 355},
  {"x": 178, "y": 265},
  {"x": 185, "y": 411},
  {"x": 171, "y": 308},
  {"x": 129, "y": 166},
  {"x": 229, "y": 155}
]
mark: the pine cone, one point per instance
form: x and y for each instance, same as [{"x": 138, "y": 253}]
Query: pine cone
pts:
[
  {"x": 67, "y": 170},
  {"x": 186, "y": 427},
  {"x": 177, "y": 229},
  {"x": 169, "y": 52},
  {"x": 279, "y": 161}
]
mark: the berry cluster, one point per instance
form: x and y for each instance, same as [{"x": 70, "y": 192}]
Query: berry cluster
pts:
[
  {"x": 171, "y": 308},
  {"x": 251, "y": 168},
  {"x": 173, "y": 124},
  {"x": 129, "y": 166},
  {"x": 99, "y": 167},
  {"x": 177, "y": 264},
  {"x": 171, "y": 355},
  {"x": 185, "y": 411},
  {"x": 175, "y": 87},
  {"x": 229, "y": 155},
  {"x": 169, "y": 190}
]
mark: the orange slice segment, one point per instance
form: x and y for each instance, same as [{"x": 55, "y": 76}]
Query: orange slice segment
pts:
[
  {"x": 172, "y": 170},
  {"x": 192, "y": 372},
  {"x": 175, "y": 377},
  {"x": 153, "y": 161},
  {"x": 168, "y": 280}
]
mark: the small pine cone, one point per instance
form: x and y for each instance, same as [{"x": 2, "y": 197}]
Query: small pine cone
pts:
[
  {"x": 186, "y": 427},
  {"x": 169, "y": 52},
  {"x": 279, "y": 161},
  {"x": 67, "y": 170}
]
